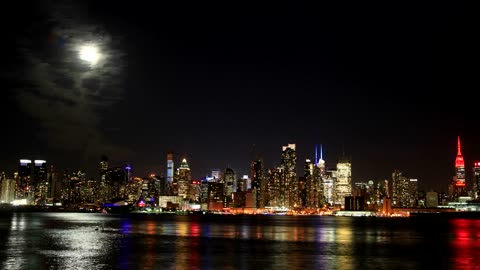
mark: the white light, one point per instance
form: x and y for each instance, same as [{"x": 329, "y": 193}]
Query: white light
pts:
[
  {"x": 90, "y": 54},
  {"x": 40, "y": 161},
  {"x": 24, "y": 161}
]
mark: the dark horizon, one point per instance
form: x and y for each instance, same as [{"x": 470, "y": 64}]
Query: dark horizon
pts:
[{"x": 385, "y": 83}]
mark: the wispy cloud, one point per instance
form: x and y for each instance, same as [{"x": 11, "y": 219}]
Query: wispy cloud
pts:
[{"x": 64, "y": 94}]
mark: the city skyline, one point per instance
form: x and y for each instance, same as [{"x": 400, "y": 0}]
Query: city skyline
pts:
[
  {"x": 175, "y": 162},
  {"x": 380, "y": 82}
]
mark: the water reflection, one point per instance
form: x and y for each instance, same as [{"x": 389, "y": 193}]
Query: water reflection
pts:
[
  {"x": 91, "y": 241},
  {"x": 465, "y": 243}
]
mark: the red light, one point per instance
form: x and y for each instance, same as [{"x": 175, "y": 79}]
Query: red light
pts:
[{"x": 141, "y": 204}]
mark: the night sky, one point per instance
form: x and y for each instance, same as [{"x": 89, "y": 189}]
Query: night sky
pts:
[{"x": 390, "y": 84}]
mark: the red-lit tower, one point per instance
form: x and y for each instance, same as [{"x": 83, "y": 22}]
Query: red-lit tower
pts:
[
  {"x": 459, "y": 166},
  {"x": 459, "y": 178}
]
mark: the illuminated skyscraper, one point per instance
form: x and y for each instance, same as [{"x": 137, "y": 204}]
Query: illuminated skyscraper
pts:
[
  {"x": 24, "y": 179},
  {"x": 320, "y": 163},
  {"x": 258, "y": 182},
  {"x": 400, "y": 193},
  {"x": 40, "y": 181},
  {"x": 184, "y": 179},
  {"x": 459, "y": 166},
  {"x": 228, "y": 180},
  {"x": 459, "y": 184},
  {"x": 343, "y": 183},
  {"x": 289, "y": 185},
  {"x": 476, "y": 179},
  {"x": 170, "y": 168}
]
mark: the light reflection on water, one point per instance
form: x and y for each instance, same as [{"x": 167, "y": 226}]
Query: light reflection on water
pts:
[{"x": 99, "y": 241}]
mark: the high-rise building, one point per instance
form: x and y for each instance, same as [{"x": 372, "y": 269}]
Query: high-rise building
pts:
[
  {"x": 400, "y": 196},
  {"x": 343, "y": 183},
  {"x": 320, "y": 163},
  {"x": 459, "y": 185},
  {"x": 476, "y": 179},
  {"x": 183, "y": 179},
  {"x": 459, "y": 166},
  {"x": 412, "y": 193},
  {"x": 228, "y": 180},
  {"x": 289, "y": 185},
  {"x": 23, "y": 180},
  {"x": 40, "y": 182},
  {"x": 7, "y": 188},
  {"x": 258, "y": 182},
  {"x": 170, "y": 168}
]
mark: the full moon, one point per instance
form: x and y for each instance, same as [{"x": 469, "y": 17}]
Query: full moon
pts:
[{"x": 89, "y": 53}]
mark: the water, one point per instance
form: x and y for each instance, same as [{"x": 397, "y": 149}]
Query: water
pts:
[{"x": 105, "y": 241}]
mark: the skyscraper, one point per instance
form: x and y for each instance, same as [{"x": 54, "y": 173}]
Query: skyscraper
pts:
[
  {"x": 258, "y": 182},
  {"x": 459, "y": 166},
  {"x": 170, "y": 168},
  {"x": 289, "y": 185},
  {"x": 476, "y": 179},
  {"x": 343, "y": 183},
  {"x": 184, "y": 179},
  {"x": 459, "y": 185},
  {"x": 24, "y": 179},
  {"x": 40, "y": 181}
]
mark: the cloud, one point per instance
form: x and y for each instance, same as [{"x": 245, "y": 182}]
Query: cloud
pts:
[{"x": 64, "y": 94}]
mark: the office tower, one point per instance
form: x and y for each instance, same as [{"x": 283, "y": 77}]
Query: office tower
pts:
[
  {"x": 400, "y": 196},
  {"x": 24, "y": 180},
  {"x": 328, "y": 179},
  {"x": 310, "y": 191},
  {"x": 258, "y": 182},
  {"x": 289, "y": 183},
  {"x": 275, "y": 188},
  {"x": 412, "y": 193},
  {"x": 308, "y": 168},
  {"x": 343, "y": 183},
  {"x": 183, "y": 179},
  {"x": 195, "y": 191},
  {"x": 215, "y": 195},
  {"x": 40, "y": 182},
  {"x": 228, "y": 180},
  {"x": 103, "y": 169},
  {"x": 170, "y": 168},
  {"x": 476, "y": 179},
  {"x": 25, "y": 168},
  {"x": 7, "y": 189}
]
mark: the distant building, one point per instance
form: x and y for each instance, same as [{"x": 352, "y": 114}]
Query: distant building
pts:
[
  {"x": 289, "y": 185},
  {"x": 459, "y": 185},
  {"x": 229, "y": 183},
  {"x": 400, "y": 185},
  {"x": 431, "y": 199},
  {"x": 183, "y": 179},
  {"x": 412, "y": 193},
  {"x": 7, "y": 188},
  {"x": 170, "y": 170},
  {"x": 476, "y": 179},
  {"x": 343, "y": 183}
]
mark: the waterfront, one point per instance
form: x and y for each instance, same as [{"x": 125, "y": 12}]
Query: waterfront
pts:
[{"x": 39, "y": 240}]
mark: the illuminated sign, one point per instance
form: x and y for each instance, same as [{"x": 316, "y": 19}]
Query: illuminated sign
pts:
[
  {"x": 460, "y": 184},
  {"x": 25, "y": 161}
]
